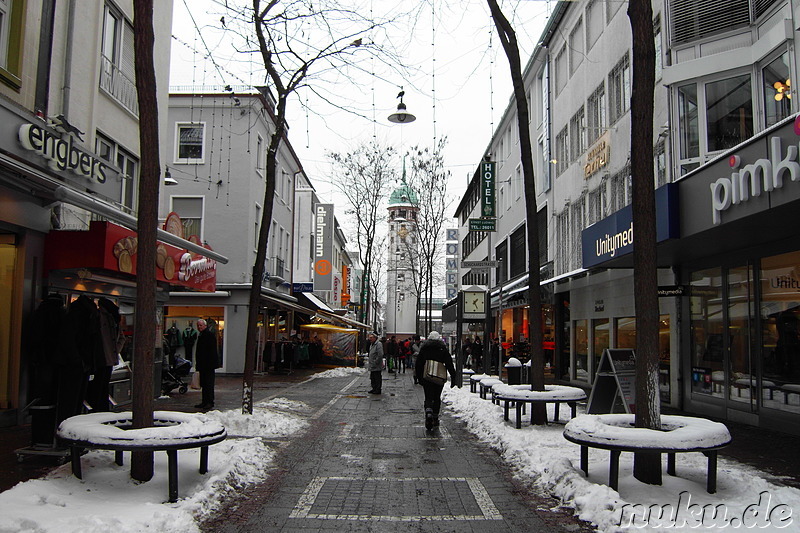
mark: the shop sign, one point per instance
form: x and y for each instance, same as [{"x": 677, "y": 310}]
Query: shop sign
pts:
[
  {"x": 614, "y": 389},
  {"x": 614, "y": 235},
  {"x": 323, "y": 247},
  {"x": 745, "y": 181},
  {"x": 452, "y": 234},
  {"x": 482, "y": 224},
  {"x": 597, "y": 156},
  {"x": 302, "y": 287},
  {"x": 61, "y": 154}
]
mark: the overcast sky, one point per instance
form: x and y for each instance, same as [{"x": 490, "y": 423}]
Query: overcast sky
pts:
[{"x": 459, "y": 59}]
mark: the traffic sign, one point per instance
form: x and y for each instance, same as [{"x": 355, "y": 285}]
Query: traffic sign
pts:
[{"x": 482, "y": 224}]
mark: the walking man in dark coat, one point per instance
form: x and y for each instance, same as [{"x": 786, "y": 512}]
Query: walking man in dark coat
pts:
[
  {"x": 433, "y": 349},
  {"x": 375, "y": 363},
  {"x": 206, "y": 359}
]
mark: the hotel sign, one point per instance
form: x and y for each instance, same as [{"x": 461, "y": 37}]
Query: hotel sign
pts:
[
  {"x": 487, "y": 188},
  {"x": 597, "y": 156}
]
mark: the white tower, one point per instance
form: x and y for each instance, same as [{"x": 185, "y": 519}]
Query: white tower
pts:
[{"x": 401, "y": 297}]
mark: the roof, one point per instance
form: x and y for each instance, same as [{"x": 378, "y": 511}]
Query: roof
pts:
[{"x": 403, "y": 195}]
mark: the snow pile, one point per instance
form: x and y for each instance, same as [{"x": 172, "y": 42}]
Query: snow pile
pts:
[
  {"x": 339, "y": 372},
  {"x": 544, "y": 459},
  {"x": 107, "y": 499}
]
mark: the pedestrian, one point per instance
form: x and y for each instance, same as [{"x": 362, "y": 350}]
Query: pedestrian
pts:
[
  {"x": 375, "y": 363},
  {"x": 206, "y": 363},
  {"x": 433, "y": 349},
  {"x": 404, "y": 353},
  {"x": 415, "y": 346},
  {"x": 391, "y": 353}
]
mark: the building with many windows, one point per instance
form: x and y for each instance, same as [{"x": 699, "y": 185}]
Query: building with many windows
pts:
[{"x": 724, "y": 164}]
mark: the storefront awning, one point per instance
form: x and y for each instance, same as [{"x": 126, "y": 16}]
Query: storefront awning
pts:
[
  {"x": 344, "y": 320},
  {"x": 285, "y": 304},
  {"x": 329, "y": 327},
  {"x": 314, "y": 302}
]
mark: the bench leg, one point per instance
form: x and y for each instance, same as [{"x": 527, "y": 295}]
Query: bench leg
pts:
[
  {"x": 172, "y": 459},
  {"x": 574, "y": 407},
  {"x": 558, "y": 405},
  {"x": 118, "y": 457},
  {"x": 585, "y": 460},
  {"x": 711, "y": 478},
  {"x": 204, "y": 459},
  {"x": 505, "y": 410},
  {"x": 75, "y": 457},
  {"x": 613, "y": 470},
  {"x": 519, "y": 414},
  {"x": 671, "y": 464}
]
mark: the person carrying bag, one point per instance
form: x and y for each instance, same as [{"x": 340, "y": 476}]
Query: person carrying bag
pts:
[{"x": 433, "y": 364}]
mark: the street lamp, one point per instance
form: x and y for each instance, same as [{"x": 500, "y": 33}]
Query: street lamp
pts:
[{"x": 401, "y": 116}]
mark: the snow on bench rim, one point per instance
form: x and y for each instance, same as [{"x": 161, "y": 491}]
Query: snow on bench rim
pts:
[
  {"x": 491, "y": 382},
  {"x": 553, "y": 393},
  {"x": 171, "y": 428},
  {"x": 478, "y": 377},
  {"x": 678, "y": 432}
]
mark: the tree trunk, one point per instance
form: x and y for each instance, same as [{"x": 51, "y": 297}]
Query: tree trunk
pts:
[
  {"x": 145, "y": 331},
  {"x": 509, "y": 41},
  {"x": 646, "y": 467}
]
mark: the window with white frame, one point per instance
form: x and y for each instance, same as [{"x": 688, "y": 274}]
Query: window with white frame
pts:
[
  {"x": 576, "y": 49},
  {"x": 619, "y": 88},
  {"x": 729, "y": 112},
  {"x": 257, "y": 227},
  {"x": 776, "y": 82},
  {"x": 595, "y": 22},
  {"x": 562, "y": 151},
  {"x": 596, "y": 113},
  {"x": 5, "y": 30},
  {"x": 117, "y": 76},
  {"x": 190, "y": 209},
  {"x": 561, "y": 70},
  {"x": 577, "y": 134},
  {"x": 189, "y": 143},
  {"x": 128, "y": 165}
]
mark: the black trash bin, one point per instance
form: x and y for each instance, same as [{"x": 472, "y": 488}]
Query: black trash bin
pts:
[{"x": 514, "y": 371}]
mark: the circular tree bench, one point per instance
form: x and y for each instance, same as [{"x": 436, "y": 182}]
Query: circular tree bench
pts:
[
  {"x": 485, "y": 387},
  {"x": 171, "y": 431},
  {"x": 679, "y": 434},
  {"x": 520, "y": 395}
]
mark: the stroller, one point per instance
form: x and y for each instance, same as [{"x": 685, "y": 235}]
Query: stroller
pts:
[{"x": 171, "y": 375}]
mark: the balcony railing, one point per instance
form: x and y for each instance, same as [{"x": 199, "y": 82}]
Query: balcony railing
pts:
[{"x": 119, "y": 86}]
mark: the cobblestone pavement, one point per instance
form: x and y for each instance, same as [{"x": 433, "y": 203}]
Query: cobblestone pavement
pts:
[{"x": 366, "y": 463}]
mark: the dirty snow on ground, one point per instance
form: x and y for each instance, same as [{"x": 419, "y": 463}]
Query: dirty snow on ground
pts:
[
  {"x": 107, "y": 499},
  {"x": 746, "y": 498},
  {"x": 339, "y": 372}
]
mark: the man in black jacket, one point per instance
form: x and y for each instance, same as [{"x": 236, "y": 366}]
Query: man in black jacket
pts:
[
  {"x": 433, "y": 349},
  {"x": 206, "y": 363}
]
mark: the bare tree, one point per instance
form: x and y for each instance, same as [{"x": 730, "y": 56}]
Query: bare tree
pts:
[
  {"x": 298, "y": 41},
  {"x": 509, "y": 41},
  {"x": 363, "y": 177},
  {"x": 428, "y": 178},
  {"x": 145, "y": 321},
  {"x": 646, "y": 466}
]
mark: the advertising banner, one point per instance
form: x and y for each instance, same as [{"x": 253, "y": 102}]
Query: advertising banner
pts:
[{"x": 323, "y": 247}]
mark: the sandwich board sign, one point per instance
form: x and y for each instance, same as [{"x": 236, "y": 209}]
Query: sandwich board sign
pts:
[{"x": 614, "y": 389}]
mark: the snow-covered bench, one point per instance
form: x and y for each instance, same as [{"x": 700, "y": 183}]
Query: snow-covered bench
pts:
[
  {"x": 474, "y": 379},
  {"x": 171, "y": 431},
  {"x": 485, "y": 387},
  {"x": 679, "y": 434},
  {"x": 787, "y": 389},
  {"x": 520, "y": 395}
]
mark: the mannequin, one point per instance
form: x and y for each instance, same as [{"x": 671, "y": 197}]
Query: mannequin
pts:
[{"x": 189, "y": 339}]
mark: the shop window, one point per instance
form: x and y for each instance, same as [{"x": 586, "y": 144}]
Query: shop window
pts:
[
  {"x": 740, "y": 369},
  {"x": 601, "y": 340},
  {"x": 12, "y": 16},
  {"x": 581, "y": 343},
  {"x": 117, "y": 76},
  {"x": 707, "y": 332},
  {"x": 688, "y": 121},
  {"x": 729, "y": 112},
  {"x": 619, "y": 87},
  {"x": 189, "y": 143},
  {"x": 625, "y": 332},
  {"x": 501, "y": 255},
  {"x": 777, "y": 83},
  {"x": 780, "y": 330}
]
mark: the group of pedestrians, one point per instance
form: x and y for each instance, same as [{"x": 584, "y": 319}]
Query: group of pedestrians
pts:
[
  {"x": 400, "y": 354},
  {"x": 418, "y": 354}
]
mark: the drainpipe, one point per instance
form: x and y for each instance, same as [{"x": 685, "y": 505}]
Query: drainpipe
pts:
[
  {"x": 44, "y": 60},
  {"x": 65, "y": 89}
]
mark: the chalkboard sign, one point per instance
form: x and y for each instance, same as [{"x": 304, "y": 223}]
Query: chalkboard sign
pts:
[{"x": 614, "y": 389}]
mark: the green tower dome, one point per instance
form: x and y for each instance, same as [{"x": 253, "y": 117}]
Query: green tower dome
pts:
[{"x": 403, "y": 195}]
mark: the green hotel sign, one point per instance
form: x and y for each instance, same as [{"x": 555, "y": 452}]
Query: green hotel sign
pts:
[{"x": 487, "y": 188}]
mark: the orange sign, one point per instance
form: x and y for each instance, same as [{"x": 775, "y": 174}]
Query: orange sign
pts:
[{"x": 322, "y": 267}]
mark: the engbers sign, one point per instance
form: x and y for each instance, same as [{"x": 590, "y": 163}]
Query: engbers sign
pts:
[{"x": 61, "y": 154}]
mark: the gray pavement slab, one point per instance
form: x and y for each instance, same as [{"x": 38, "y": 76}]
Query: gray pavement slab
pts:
[{"x": 366, "y": 463}]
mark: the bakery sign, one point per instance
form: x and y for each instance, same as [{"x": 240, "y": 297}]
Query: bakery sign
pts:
[{"x": 114, "y": 248}]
